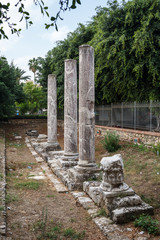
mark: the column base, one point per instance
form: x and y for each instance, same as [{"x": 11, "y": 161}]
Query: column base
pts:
[
  {"x": 80, "y": 174},
  {"x": 68, "y": 160},
  {"x": 121, "y": 206},
  {"x": 52, "y": 147}
]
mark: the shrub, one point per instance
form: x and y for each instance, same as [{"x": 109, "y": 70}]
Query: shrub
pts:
[
  {"x": 147, "y": 223},
  {"x": 101, "y": 213},
  {"x": 111, "y": 142}
]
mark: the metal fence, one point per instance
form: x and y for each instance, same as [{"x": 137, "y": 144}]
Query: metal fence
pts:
[
  {"x": 143, "y": 116},
  {"x": 140, "y": 116}
]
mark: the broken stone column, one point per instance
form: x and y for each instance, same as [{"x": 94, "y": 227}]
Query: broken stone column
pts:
[
  {"x": 119, "y": 200},
  {"x": 70, "y": 157},
  {"x": 52, "y": 144},
  {"x": 86, "y": 164}
]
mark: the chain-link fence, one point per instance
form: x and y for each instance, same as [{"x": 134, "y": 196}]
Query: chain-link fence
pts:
[{"x": 143, "y": 116}]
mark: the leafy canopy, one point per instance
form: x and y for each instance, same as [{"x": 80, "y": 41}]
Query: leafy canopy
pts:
[
  {"x": 10, "y": 89},
  {"x": 20, "y": 6},
  {"x": 35, "y": 98},
  {"x": 126, "y": 40}
]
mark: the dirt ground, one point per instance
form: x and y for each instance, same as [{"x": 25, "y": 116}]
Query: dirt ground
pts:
[{"x": 36, "y": 211}]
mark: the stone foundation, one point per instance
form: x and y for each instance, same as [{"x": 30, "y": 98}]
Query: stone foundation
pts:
[
  {"x": 136, "y": 136},
  {"x": 121, "y": 207},
  {"x": 119, "y": 200}
]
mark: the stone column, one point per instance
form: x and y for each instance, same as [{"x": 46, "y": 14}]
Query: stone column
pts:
[
  {"x": 52, "y": 143},
  {"x": 70, "y": 110},
  {"x": 86, "y": 107},
  {"x": 86, "y": 167}
]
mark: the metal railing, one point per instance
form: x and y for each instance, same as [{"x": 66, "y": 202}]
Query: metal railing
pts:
[
  {"x": 143, "y": 116},
  {"x": 140, "y": 116}
]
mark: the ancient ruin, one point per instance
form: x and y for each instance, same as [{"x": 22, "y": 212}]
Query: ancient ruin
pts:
[
  {"x": 112, "y": 193},
  {"x": 119, "y": 200},
  {"x": 86, "y": 165},
  {"x": 70, "y": 157},
  {"x": 52, "y": 143}
]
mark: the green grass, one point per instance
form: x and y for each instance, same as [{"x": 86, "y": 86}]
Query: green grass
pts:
[
  {"x": 129, "y": 163},
  {"x": 101, "y": 213},
  {"x": 139, "y": 147},
  {"x": 72, "y": 220},
  {"x": 147, "y": 223},
  {"x": 50, "y": 230},
  {"x": 155, "y": 202},
  {"x": 72, "y": 234},
  {"x": 28, "y": 185},
  {"x": 51, "y": 196},
  {"x": 16, "y": 145},
  {"x": 11, "y": 198},
  {"x": 1, "y": 208}
]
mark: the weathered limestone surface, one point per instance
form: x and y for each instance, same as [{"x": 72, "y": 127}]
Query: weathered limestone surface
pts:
[
  {"x": 52, "y": 114},
  {"x": 120, "y": 201},
  {"x": 31, "y": 132},
  {"x": 86, "y": 165},
  {"x": 86, "y": 107},
  {"x": 70, "y": 108},
  {"x": 70, "y": 115}
]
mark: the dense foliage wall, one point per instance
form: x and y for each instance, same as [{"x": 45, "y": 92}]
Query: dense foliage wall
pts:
[
  {"x": 126, "y": 40},
  {"x": 10, "y": 89}
]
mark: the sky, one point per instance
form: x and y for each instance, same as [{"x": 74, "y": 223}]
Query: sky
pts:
[{"x": 36, "y": 41}]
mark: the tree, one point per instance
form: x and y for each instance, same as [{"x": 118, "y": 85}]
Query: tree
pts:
[
  {"x": 10, "y": 90},
  {"x": 25, "y": 15},
  {"x": 20, "y": 75},
  {"x": 35, "y": 99},
  {"x": 33, "y": 65},
  {"x": 127, "y": 62},
  {"x": 54, "y": 60},
  {"x": 127, "y": 51}
]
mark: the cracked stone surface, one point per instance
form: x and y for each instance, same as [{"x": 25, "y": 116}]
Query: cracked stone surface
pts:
[
  {"x": 119, "y": 200},
  {"x": 52, "y": 113},
  {"x": 86, "y": 106},
  {"x": 70, "y": 108}
]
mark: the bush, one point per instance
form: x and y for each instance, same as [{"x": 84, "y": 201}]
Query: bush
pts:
[
  {"x": 111, "y": 142},
  {"x": 147, "y": 223}
]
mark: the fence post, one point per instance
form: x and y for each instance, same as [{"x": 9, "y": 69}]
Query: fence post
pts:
[
  {"x": 134, "y": 115},
  {"x": 103, "y": 115},
  {"x": 122, "y": 115},
  {"x": 150, "y": 119},
  {"x": 111, "y": 114}
]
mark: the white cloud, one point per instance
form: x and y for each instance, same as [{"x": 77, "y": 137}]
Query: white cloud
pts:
[
  {"x": 7, "y": 45},
  {"x": 56, "y": 36}
]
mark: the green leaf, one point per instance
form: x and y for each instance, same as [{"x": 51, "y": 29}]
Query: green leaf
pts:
[
  {"x": 47, "y": 14},
  {"x": 26, "y": 13},
  {"x": 56, "y": 27},
  {"x": 53, "y": 18},
  {"x": 73, "y": 7},
  {"x": 78, "y": 1},
  {"x": 20, "y": 10}
]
